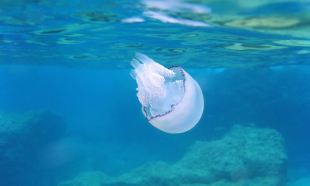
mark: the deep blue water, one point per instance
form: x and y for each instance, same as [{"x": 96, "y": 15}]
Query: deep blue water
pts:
[{"x": 105, "y": 121}]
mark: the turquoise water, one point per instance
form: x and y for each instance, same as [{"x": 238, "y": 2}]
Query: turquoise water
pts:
[
  {"x": 87, "y": 34},
  {"x": 72, "y": 58}
]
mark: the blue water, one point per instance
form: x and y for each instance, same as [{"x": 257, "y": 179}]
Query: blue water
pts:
[
  {"x": 86, "y": 80},
  {"x": 105, "y": 123}
]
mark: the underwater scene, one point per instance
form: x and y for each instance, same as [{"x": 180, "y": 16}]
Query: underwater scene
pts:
[{"x": 155, "y": 93}]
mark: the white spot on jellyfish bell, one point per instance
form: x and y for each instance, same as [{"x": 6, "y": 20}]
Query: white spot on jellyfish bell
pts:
[{"x": 171, "y": 99}]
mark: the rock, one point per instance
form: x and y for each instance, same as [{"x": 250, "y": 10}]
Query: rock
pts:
[
  {"x": 22, "y": 133},
  {"x": 22, "y": 137},
  {"x": 301, "y": 182},
  {"x": 245, "y": 156},
  {"x": 244, "y": 153},
  {"x": 87, "y": 179}
]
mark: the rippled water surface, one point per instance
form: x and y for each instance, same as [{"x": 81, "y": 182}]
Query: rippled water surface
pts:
[{"x": 196, "y": 34}]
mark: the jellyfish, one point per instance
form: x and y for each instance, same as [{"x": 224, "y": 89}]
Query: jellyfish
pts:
[{"x": 171, "y": 99}]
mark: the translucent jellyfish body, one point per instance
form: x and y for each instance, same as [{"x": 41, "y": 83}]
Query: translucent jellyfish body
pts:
[{"x": 171, "y": 99}]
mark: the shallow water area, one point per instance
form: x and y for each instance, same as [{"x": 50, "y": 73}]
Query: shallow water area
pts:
[
  {"x": 69, "y": 113},
  {"x": 87, "y": 34}
]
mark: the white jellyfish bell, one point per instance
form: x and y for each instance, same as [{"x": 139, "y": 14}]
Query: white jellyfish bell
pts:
[{"x": 171, "y": 99}]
